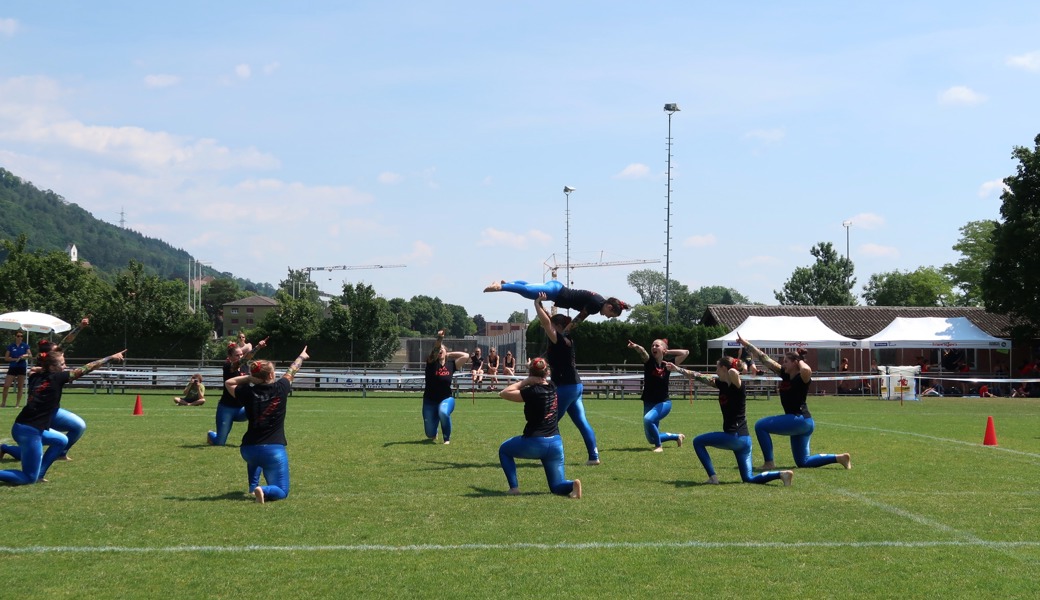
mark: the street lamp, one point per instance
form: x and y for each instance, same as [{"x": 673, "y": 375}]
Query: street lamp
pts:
[
  {"x": 567, "y": 218},
  {"x": 671, "y": 108}
]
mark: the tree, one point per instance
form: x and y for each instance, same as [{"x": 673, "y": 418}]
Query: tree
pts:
[
  {"x": 649, "y": 284},
  {"x": 459, "y": 323},
  {"x": 217, "y": 293},
  {"x": 1011, "y": 280},
  {"x": 828, "y": 282},
  {"x": 293, "y": 324},
  {"x": 49, "y": 282},
  {"x": 363, "y": 327},
  {"x": 517, "y": 316},
  {"x": 926, "y": 286},
  {"x": 976, "y": 246},
  {"x": 691, "y": 308},
  {"x": 481, "y": 324}
]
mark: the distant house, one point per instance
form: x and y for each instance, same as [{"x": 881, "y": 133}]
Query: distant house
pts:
[
  {"x": 72, "y": 252},
  {"x": 494, "y": 328},
  {"x": 246, "y": 313}
]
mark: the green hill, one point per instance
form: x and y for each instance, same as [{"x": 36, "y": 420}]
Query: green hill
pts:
[{"x": 52, "y": 223}]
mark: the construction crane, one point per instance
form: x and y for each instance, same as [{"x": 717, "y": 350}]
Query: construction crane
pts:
[
  {"x": 346, "y": 268},
  {"x": 551, "y": 268}
]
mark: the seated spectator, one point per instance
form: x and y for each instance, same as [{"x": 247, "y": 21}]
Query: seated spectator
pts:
[
  {"x": 984, "y": 392},
  {"x": 194, "y": 393}
]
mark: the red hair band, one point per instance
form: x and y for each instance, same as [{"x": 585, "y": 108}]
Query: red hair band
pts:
[{"x": 256, "y": 369}]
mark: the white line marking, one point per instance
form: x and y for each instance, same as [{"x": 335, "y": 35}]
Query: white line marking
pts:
[
  {"x": 932, "y": 437},
  {"x": 517, "y": 546}
]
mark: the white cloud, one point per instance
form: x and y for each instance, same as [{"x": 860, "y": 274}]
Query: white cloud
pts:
[
  {"x": 877, "y": 250},
  {"x": 422, "y": 253},
  {"x": 270, "y": 68},
  {"x": 770, "y": 136},
  {"x": 866, "y": 221},
  {"x": 992, "y": 188},
  {"x": 160, "y": 81},
  {"x": 960, "y": 95},
  {"x": 1029, "y": 61},
  {"x": 243, "y": 71},
  {"x": 389, "y": 178},
  {"x": 634, "y": 171},
  {"x": 519, "y": 241},
  {"x": 8, "y": 27},
  {"x": 700, "y": 241}
]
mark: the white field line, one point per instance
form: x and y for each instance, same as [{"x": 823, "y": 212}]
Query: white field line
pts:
[
  {"x": 697, "y": 545},
  {"x": 934, "y": 438}
]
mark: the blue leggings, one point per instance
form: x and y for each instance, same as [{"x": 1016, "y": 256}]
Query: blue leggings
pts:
[
  {"x": 531, "y": 290},
  {"x": 652, "y": 415},
  {"x": 547, "y": 449},
  {"x": 800, "y": 429},
  {"x": 438, "y": 414},
  {"x": 569, "y": 401},
  {"x": 225, "y": 416},
  {"x": 68, "y": 422},
  {"x": 35, "y": 461},
  {"x": 271, "y": 461},
  {"x": 741, "y": 447}
]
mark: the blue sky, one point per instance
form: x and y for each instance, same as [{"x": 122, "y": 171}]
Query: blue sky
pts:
[{"x": 260, "y": 136}]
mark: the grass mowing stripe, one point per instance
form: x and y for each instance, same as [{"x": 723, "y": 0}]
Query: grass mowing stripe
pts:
[
  {"x": 522, "y": 546},
  {"x": 935, "y": 438}
]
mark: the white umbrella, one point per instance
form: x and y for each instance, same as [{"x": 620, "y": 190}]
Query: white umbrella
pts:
[{"x": 33, "y": 321}]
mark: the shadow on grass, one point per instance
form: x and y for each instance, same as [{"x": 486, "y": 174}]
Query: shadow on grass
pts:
[
  {"x": 479, "y": 492},
  {"x": 444, "y": 465},
  {"x": 646, "y": 448},
  {"x": 410, "y": 442},
  {"x": 701, "y": 483},
  {"x": 239, "y": 495}
]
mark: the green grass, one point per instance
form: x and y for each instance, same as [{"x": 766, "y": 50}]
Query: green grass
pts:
[{"x": 146, "y": 509}]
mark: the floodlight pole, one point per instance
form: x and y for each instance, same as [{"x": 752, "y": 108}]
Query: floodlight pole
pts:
[{"x": 670, "y": 108}]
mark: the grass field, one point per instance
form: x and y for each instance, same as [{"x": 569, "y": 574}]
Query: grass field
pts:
[{"x": 146, "y": 509}]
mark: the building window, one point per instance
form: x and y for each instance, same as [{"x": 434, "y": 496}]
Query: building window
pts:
[
  {"x": 249, "y": 321},
  {"x": 234, "y": 321},
  {"x": 234, "y": 311}
]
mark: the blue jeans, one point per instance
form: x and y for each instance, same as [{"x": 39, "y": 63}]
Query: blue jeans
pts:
[
  {"x": 652, "y": 415},
  {"x": 271, "y": 461},
  {"x": 531, "y": 290},
  {"x": 547, "y": 449},
  {"x": 438, "y": 414},
  {"x": 35, "y": 461},
  {"x": 68, "y": 422},
  {"x": 741, "y": 447},
  {"x": 800, "y": 430},
  {"x": 569, "y": 401},
  {"x": 225, "y": 416}
]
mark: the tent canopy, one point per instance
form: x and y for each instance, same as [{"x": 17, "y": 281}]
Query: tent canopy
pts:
[
  {"x": 784, "y": 332},
  {"x": 934, "y": 332}
]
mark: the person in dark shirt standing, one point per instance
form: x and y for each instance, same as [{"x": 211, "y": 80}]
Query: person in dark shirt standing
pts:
[
  {"x": 796, "y": 422},
  {"x": 263, "y": 445},
  {"x": 438, "y": 401},
  {"x": 734, "y": 435},
  {"x": 586, "y": 302},
  {"x": 541, "y": 437},
  {"x": 561, "y": 358},
  {"x": 656, "y": 403},
  {"x": 17, "y": 357}
]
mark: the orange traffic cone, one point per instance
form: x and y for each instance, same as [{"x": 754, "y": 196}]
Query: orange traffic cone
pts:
[
  {"x": 991, "y": 434},
  {"x": 138, "y": 409}
]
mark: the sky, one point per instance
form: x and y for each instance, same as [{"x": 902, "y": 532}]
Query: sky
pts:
[{"x": 261, "y": 136}]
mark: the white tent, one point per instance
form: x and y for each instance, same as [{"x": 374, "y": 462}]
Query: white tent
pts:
[
  {"x": 784, "y": 332},
  {"x": 934, "y": 332}
]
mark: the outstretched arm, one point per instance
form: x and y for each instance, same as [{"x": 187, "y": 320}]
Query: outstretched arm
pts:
[
  {"x": 81, "y": 371},
  {"x": 437, "y": 342},
  {"x": 71, "y": 336},
  {"x": 295, "y": 366},
  {"x": 252, "y": 351},
  {"x": 640, "y": 350},
  {"x": 761, "y": 356},
  {"x": 543, "y": 318},
  {"x": 712, "y": 381}
]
